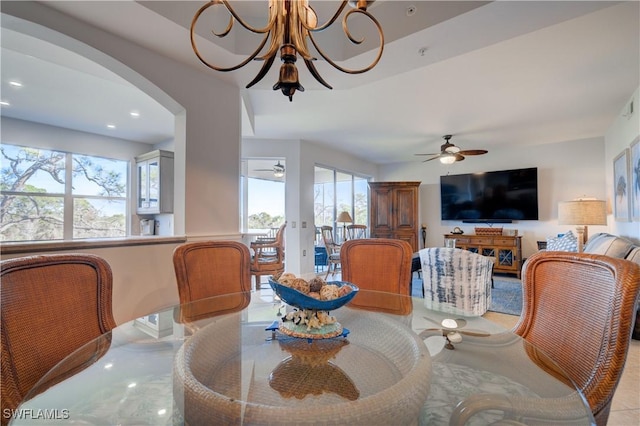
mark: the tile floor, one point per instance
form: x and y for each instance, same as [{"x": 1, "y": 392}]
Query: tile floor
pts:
[{"x": 625, "y": 409}]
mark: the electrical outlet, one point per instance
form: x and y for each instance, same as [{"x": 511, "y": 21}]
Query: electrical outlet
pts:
[
  {"x": 304, "y": 252},
  {"x": 293, "y": 224},
  {"x": 304, "y": 224}
]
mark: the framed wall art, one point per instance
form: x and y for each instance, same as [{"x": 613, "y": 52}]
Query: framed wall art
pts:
[
  {"x": 621, "y": 187},
  {"x": 634, "y": 179}
]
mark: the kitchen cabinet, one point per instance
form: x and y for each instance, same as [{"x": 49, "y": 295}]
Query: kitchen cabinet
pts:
[
  {"x": 155, "y": 182},
  {"x": 394, "y": 211}
]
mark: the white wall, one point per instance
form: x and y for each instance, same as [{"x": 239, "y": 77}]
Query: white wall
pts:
[
  {"x": 623, "y": 131},
  {"x": 566, "y": 170}
]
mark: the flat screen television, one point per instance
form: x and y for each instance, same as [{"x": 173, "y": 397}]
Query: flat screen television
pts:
[{"x": 500, "y": 196}]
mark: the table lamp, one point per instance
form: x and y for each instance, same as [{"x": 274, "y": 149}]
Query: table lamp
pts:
[
  {"x": 582, "y": 212},
  {"x": 343, "y": 218}
]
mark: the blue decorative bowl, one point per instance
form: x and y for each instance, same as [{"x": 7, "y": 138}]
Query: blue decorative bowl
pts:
[{"x": 300, "y": 300}]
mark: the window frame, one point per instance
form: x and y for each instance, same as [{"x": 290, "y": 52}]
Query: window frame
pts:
[
  {"x": 352, "y": 209},
  {"x": 69, "y": 198}
]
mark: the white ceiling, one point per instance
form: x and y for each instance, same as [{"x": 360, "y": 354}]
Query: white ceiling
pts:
[{"x": 491, "y": 73}]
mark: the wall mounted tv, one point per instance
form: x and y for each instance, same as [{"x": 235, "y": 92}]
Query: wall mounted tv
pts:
[{"x": 490, "y": 197}]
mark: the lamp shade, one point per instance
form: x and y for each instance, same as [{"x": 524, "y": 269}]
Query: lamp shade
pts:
[
  {"x": 344, "y": 217},
  {"x": 582, "y": 212}
]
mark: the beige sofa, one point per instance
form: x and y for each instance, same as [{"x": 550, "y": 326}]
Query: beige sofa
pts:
[{"x": 614, "y": 246}]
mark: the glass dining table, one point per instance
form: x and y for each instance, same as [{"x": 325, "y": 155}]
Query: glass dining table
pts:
[{"x": 225, "y": 360}]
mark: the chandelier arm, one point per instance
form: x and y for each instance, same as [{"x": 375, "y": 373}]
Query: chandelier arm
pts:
[
  {"x": 263, "y": 71},
  {"x": 297, "y": 31},
  {"x": 226, "y": 69},
  {"x": 353, "y": 40},
  {"x": 314, "y": 72},
  {"x": 201, "y": 57},
  {"x": 329, "y": 22},
  {"x": 276, "y": 34},
  {"x": 345, "y": 26},
  {"x": 272, "y": 17}
]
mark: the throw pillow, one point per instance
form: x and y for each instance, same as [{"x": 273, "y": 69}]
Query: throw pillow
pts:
[{"x": 568, "y": 242}]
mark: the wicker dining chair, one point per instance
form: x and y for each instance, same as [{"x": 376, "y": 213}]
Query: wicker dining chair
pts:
[
  {"x": 268, "y": 256},
  {"x": 206, "y": 269},
  {"x": 382, "y": 265},
  {"x": 356, "y": 231},
  {"x": 578, "y": 311},
  {"x": 51, "y": 306},
  {"x": 333, "y": 250}
]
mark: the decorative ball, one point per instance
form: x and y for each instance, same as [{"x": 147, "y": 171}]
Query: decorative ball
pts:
[{"x": 315, "y": 284}]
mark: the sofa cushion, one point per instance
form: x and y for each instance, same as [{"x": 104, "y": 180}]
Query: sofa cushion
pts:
[
  {"x": 568, "y": 242},
  {"x": 609, "y": 245},
  {"x": 634, "y": 255},
  {"x": 614, "y": 246}
]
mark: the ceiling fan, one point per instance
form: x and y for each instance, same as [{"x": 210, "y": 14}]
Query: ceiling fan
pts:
[
  {"x": 277, "y": 169},
  {"x": 449, "y": 153}
]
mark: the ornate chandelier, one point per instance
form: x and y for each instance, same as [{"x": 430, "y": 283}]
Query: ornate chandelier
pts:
[{"x": 290, "y": 25}]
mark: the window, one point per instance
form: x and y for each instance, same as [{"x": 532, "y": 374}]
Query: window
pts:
[
  {"x": 55, "y": 195},
  {"x": 337, "y": 191},
  {"x": 263, "y": 195}
]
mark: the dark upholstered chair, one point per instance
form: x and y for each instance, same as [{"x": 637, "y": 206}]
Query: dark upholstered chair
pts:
[
  {"x": 378, "y": 264},
  {"x": 206, "y": 269},
  {"x": 578, "y": 310},
  {"x": 268, "y": 256},
  {"x": 51, "y": 306}
]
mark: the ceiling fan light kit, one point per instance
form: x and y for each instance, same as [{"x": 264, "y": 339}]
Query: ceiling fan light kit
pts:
[
  {"x": 277, "y": 169},
  {"x": 291, "y": 24},
  {"x": 449, "y": 153},
  {"x": 448, "y": 158}
]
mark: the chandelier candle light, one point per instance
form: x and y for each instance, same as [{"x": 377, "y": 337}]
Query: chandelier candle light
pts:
[
  {"x": 290, "y": 25},
  {"x": 582, "y": 212}
]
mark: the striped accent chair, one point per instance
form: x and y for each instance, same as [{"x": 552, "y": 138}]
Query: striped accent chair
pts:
[{"x": 456, "y": 281}]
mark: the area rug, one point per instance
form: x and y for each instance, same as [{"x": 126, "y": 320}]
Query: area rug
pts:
[{"x": 506, "y": 294}]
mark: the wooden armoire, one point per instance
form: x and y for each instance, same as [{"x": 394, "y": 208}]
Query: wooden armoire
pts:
[{"x": 393, "y": 211}]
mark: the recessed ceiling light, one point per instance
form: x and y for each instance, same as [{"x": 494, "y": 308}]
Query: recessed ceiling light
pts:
[
  {"x": 135, "y": 114},
  {"x": 15, "y": 83},
  {"x": 4, "y": 103},
  {"x": 111, "y": 126}
]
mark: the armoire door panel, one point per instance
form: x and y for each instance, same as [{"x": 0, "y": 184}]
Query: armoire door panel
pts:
[
  {"x": 394, "y": 211},
  {"x": 405, "y": 208}
]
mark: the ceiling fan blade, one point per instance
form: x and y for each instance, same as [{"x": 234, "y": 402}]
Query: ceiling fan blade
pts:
[
  {"x": 435, "y": 153},
  {"x": 459, "y": 157},
  {"x": 473, "y": 152},
  {"x": 432, "y": 158}
]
